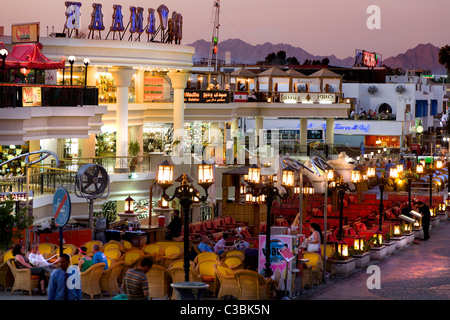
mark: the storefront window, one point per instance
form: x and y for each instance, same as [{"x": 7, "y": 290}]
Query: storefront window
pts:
[
  {"x": 105, "y": 144},
  {"x": 157, "y": 137},
  {"x": 8, "y": 152}
]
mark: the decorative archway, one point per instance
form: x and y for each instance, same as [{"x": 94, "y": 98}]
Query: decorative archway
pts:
[{"x": 386, "y": 108}]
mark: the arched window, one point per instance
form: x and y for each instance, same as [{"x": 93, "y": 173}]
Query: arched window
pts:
[{"x": 385, "y": 108}]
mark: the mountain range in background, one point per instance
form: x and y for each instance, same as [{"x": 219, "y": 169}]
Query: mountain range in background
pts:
[{"x": 423, "y": 56}]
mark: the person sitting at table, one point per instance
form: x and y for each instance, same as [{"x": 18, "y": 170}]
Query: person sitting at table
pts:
[
  {"x": 22, "y": 262},
  {"x": 38, "y": 260},
  {"x": 203, "y": 246},
  {"x": 85, "y": 261},
  {"x": 174, "y": 227},
  {"x": 221, "y": 246},
  {"x": 99, "y": 256}
]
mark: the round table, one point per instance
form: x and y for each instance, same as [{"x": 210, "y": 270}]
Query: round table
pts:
[{"x": 190, "y": 290}]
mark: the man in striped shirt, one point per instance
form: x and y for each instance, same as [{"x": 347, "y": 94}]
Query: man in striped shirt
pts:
[{"x": 135, "y": 284}]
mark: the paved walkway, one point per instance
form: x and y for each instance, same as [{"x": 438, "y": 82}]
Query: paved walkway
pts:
[{"x": 418, "y": 272}]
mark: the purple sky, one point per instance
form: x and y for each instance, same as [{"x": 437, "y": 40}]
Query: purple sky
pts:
[{"x": 321, "y": 27}]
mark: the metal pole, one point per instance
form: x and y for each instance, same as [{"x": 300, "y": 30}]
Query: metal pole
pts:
[
  {"x": 341, "y": 212},
  {"x": 27, "y": 233},
  {"x": 325, "y": 228},
  {"x": 185, "y": 204},
  {"x": 300, "y": 203},
  {"x": 91, "y": 218},
  {"x": 268, "y": 271},
  {"x": 431, "y": 189},
  {"x": 381, "y": 207}
]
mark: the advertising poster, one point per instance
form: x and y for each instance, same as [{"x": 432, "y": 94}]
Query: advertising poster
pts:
[
  {"x": 31, "y": 97},
  {"x": 153, "y": 89},
  {"x": 23, "y": 33}
]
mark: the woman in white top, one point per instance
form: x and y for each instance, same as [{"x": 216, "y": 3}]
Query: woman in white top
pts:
[{"x": 315, "y": 239}]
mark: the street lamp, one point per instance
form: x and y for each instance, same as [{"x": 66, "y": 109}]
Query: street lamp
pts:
[
  {"x": 430, "y": 170},
  {"x": 186, "y": 193},
  {"x": 3, "y": 55},
  {"x": 342, "y": 187},
  {"x": 383, "y": 181},
  {"x": 86, "y": 64},
  {"x": 71, "y": 60},
  {"x": 271, "y": 193}
]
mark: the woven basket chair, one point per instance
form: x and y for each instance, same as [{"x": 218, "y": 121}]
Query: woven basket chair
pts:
[
  {"x": 178, "y": 275},
  {"x": 109, "y": 281},
  {"x": 159, "y": 280},
  {"x": 23, "y": 280},
  {"x": 228, "y": 282},
  {"x": 90, "y": 280}
]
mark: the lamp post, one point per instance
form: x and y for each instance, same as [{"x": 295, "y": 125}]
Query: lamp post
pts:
[
  {"x": 3, "y": 55},
  {"x": 342, "y": 187},
  {"x": 271, "y": 193},
  {"x": 86, "y": 64},
  {"x": 430, "y": 170},
  {"x": 186, "y": 194},
  {"x": 384, "y": 181},
  {"x": 71, "y": 60}
]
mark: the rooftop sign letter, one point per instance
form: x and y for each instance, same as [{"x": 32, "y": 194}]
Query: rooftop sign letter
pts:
[{"x": 73, "y": 15}]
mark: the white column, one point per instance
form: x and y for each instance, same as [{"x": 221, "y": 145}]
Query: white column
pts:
[
  {"x": 329, "y": 136},
  {"x": 139, "y": 83},
  {"x": 122, "y": 80},
  {"x": 179, "y": 81},
  {"x": 303, "y": 134}
]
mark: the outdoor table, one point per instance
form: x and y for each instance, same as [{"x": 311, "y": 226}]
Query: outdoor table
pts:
[{"x": 191, "y": 290}]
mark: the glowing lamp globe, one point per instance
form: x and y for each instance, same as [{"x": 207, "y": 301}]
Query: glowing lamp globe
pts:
[{"x": 205, "y": 175}]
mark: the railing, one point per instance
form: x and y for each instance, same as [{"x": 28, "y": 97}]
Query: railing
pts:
[
  {"x": 136, "y": 164},
  {"x": 11, "y": 95}
]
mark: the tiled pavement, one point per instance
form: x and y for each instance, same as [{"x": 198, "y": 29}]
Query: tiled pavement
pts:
[{"x": 418, "y": 272}]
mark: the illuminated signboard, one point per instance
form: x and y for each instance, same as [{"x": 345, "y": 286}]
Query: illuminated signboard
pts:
[
  {"x": 28, "y": 32},
  {"x": 153, "y": 89},
  {"x": 171, "y": 29},
  {"x": 207, "y": 96},
  {"x": 305, "y": 97},
  {"x": 31, "y": 97},
  {"x": 367, "y": 59}
]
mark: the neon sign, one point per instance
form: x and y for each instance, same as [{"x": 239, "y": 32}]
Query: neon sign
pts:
[
  {"x": 367, "y": 59},
  {"x": 171, "y": 28}
]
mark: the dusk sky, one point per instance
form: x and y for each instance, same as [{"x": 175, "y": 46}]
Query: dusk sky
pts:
[{"x": 321, "y": 27}]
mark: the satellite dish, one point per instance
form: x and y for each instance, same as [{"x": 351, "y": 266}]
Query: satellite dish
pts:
[{"x": 91, "y": 181}]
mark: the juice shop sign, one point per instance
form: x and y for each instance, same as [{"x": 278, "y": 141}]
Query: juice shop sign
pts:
[{"x": 136, "y": 22}]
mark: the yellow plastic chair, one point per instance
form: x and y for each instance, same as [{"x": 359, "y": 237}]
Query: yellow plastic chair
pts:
[
  {"x": 203, "y": 256},
  {"x": 227, "y": 281}
]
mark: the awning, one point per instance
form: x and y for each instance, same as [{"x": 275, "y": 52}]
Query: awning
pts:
[{"x": 30, "y": 56}]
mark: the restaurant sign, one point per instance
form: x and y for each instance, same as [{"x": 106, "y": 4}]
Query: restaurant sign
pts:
[
  {"x": 31, "y": 97},
  {"x": 153, "y": 89},
  {"x": 23, "y": 33},
  {"x": 207, "y": 96},
  {"x": 307, "y": 97}
]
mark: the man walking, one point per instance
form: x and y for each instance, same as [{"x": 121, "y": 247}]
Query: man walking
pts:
[{"x": 64, "y": 285}]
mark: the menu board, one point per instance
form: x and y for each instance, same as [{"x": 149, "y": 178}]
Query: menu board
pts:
[{"x": 153, "y": 89}]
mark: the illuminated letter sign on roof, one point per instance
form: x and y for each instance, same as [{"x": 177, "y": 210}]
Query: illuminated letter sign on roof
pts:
[
  {"x": 179, "y": 27},
  {"x": 117, "y": 24},
  {"x": 136, "y": 19},
  {"x": 73, "y": 15},
  {"x": 163, "y": 12},
  {"x": 151, "y": 29},
  {"x": 97, "y": 17}
]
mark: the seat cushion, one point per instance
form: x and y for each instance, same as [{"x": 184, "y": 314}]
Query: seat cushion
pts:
[{"x": 208, "y": 278}]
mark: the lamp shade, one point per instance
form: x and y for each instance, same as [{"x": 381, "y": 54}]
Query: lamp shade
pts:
[
  {"x": 165, "y": 174},
  {"x": 254, "y": 174},
  {"x": 287, "y": 179},
  {"x": 129, "y": 207},
  {"x": 371, "y": 172},
  {"x": 356, "y": 176},
  {"x": 205, "y": 174}
]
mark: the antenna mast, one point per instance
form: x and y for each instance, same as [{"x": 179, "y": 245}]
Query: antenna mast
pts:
[{"x": 214, "y": 49}]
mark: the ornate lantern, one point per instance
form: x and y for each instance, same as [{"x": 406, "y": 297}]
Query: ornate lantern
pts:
[
  {"x": 129, "y": 208},
  {"x": 378, "y": 238},
  {"x": 397, "y": 230},
  {"x": 165, "y": 175},
  {"x": 439, "y": 164},
  {"x": 400, "y": 168},
  {"x": 205, "y": 175},
  {"x": 356, "y": 176},
  {"x": 407, "y": 227},
  {"x": 297, "y": 189},
  {"x": 248, "y": 197},
  {"x": 343, "y": 248},
  {"x": 393, "y": 173},
  {"x": 359, "y": 243},
  {"x": 419, "y": 168},
  {"x": 287, "y": 179},
  {"x": 308, "y": 189},
  {"x": 262, "y": 198},
  {"x": 164, "y": 203},
  {"x": 442, "y": 206},
  {"x": 329, "y": 175},
  {"x": 433, "y": 212},
  {"x": 243, "y": 189},
  {"x": 371, "y": 172},
  {"x": 254, "y": 174}
]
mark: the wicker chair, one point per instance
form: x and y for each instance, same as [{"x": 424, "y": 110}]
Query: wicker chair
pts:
[
  {"x": 203, "y": 256},
  {"x": 113, "y": 254},
  {"x": 109, "y": 281},
  {"x": 48, "y": 249},
  {"x": 90, "y": 244},
  {"x": 112, "y": 244},
  {"x": 152, "y": 249},
  {"x": 69, "y": 249},
  {"x": 234, "y": 262},
  {"x": 228, "y": 282},
  {"x": 233, "y": 252},
  {"x": 178, "y": 275},
  {"x": 180, "y": 264},
  {"x": 171, "y": 253},
  {"x": 127, "y": 245},
  {"x": 312, "y": 270},
  {"x": 252, "y": 285},
  {"x": 23, "y": 280},
  {"x": 6, "y": 276},
  {"x": 159, "y": 280},
  {"x": 206, "y": 270},
  {"x": 74, "y": 259},
  {"x": 330, "y": 267},
  {"x": 90, "y": 280}
]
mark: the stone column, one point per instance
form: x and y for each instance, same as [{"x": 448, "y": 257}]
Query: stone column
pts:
[
  {"x": 179, "y": 81},
  {"x": 303, "y": 134},
  {"x": 86, "y": 147},
  {"x": 122, "y": 80}
]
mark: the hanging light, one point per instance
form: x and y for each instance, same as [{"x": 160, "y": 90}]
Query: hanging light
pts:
[
  {"x": 287, "y": 179},
  {"x": 358, "y": 243},
  {"x": 129, "y": 208},
  {"x": 243, "y": 189},
  {"x": 308, "y": 189},
  {"x": 343, "y": 248},
  {"x": 254, "y": 174},
  {"x": 165, "y": 175}
]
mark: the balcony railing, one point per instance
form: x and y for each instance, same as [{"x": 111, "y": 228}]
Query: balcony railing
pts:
[{"x": 20, "y": 95}]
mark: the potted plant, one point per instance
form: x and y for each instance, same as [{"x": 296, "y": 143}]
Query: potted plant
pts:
[
  {"x": 133, "y": 150},
  {"x": 12, "y": 224}
]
